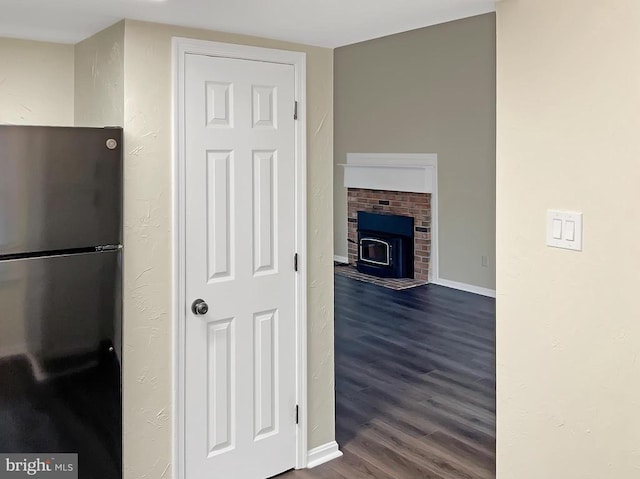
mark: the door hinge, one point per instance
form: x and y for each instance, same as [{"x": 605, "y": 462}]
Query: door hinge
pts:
[
  {"x": 295, "y": 262},
  {"x": 297, "y": 414},
  {"x": 295, "y": 110}
]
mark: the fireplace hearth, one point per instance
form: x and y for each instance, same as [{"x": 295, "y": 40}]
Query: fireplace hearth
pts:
[{"x": 385, "y": 245}]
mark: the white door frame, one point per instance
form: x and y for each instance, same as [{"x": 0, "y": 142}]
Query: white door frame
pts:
[{"x": 182, "y": 47}]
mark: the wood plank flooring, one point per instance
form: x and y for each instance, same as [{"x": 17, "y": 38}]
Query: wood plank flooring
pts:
[{"x": 415, "y": 384}]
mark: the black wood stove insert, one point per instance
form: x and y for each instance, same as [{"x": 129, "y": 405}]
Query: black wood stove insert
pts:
[{"x": 385, "y": 245}]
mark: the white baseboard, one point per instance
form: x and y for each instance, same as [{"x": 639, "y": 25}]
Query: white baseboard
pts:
[
  {"x": 321, "y": 454},
  {"x": 491, "y": 293},
  {"x": 341, "y": 259}
]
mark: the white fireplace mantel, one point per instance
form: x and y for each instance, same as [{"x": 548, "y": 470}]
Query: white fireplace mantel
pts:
[{"x": 414, "y": 173}]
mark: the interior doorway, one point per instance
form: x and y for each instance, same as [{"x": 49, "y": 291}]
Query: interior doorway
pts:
[{"x": 241, "y": 332}]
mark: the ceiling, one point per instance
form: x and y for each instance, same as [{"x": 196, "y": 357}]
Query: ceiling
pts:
[{"x": 326, "y": 23}]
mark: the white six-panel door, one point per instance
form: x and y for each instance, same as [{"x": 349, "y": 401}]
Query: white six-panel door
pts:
[{"x": 240, "y": 356}]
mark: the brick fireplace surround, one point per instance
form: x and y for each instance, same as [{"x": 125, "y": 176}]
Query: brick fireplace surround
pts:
[{"x": 417, "y": 205}]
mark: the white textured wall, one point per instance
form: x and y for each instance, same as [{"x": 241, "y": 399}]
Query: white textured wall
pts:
[
  {"x": 99, "y": 78},
  {"x": 568, "y": 323},
  {"x": 148, "y": 321},
  {"x": 36, "y": 83}
]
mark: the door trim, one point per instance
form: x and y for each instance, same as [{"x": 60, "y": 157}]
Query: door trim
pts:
[{"x": 181, "y": 47}]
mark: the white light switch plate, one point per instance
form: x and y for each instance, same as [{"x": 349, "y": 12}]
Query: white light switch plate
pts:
[{"x": 564, "y": 229}]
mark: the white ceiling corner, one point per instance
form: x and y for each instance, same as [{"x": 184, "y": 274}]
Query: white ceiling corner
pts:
[{"x": 325, "y": 23}]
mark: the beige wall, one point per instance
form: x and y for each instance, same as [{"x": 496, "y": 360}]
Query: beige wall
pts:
[
  {"x": 430, "y": 90},
  {"x": 36, "y": 83},
  {"x": 99, "y": 78},
  {"x": 568, "y": 323},
  {"x": 148, "y": 237}
]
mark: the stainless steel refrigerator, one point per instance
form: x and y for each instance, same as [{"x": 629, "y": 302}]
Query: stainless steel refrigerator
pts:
[{"x": 60, "y": 294}]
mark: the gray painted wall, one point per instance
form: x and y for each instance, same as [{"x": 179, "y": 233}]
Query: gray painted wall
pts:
[{"x": 430, "y": 90}]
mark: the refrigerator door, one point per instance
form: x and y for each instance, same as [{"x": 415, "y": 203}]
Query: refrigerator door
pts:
[
  {"x": 59, "y": 359},
  {"x": 60, "y": 188}
]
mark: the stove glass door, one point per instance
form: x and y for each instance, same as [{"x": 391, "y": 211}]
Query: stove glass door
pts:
[{"x": 375, "y": 251}]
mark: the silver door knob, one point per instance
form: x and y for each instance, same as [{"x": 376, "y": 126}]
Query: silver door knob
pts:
[{"x": 199, "y": 307}]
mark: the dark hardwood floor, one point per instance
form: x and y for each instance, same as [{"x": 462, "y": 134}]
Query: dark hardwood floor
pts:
[{"x": 415, "y": 384}]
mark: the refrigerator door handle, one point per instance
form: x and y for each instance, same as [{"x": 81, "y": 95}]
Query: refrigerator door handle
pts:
[{"x": 108, "y": 247}]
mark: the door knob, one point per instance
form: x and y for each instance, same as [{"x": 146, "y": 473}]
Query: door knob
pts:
[{"x": 199, "y": 307}]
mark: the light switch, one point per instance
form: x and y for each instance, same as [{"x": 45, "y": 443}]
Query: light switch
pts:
[
  {"x": 570, "y": 230},
  {"x": 564, "y": 229},
  {"x": 556, "y": 230}
]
